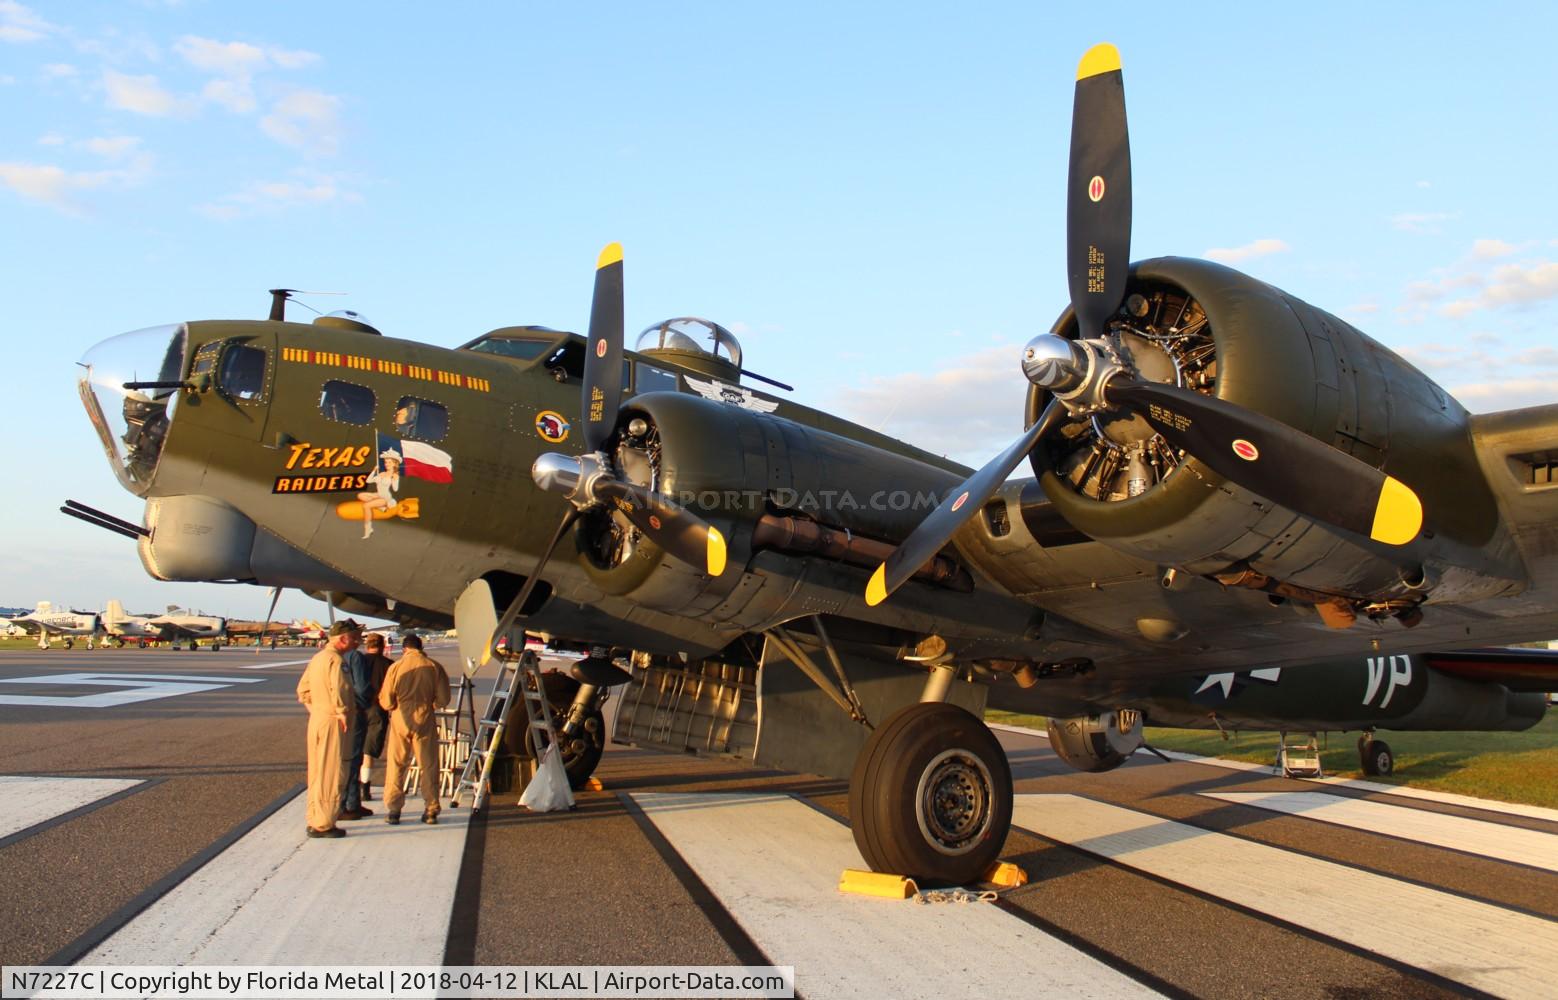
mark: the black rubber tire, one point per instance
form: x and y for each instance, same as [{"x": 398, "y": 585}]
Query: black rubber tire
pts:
[
  {"x": 911, "y": 745},
  {"x": 1378, "y": 759},
  {"x": 560, "y": 691}
]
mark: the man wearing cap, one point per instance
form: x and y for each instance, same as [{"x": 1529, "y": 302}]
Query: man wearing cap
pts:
[
  {"x": 359, "y": 671},
  {"x": 415, "y": 688},
  {"x": 326, "y": 690}
]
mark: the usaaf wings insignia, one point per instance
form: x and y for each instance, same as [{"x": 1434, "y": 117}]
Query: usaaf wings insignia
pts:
[{"x": 735, "y": 395}]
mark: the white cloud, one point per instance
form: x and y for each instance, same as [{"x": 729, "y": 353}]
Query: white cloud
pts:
[
  {"x": 235, "y": 95},
  {"x": 292, "y": 59},
  {"x": 59, "y": 71},
  {"x": 55, "y": 186},
  {"x": 221, "y": 58},
  {"x": 234, "y": 66},
  {"x": 968, "y": 408},
  {"x": 305, "y": 119},
  {"x": 1421, "y": 223},
  {"x": 19, "y": 24},
  {"x": 51, "y": 139},
  {"x": 1504, "y": 394},
  {"x": 1425, "y": 184},
  {"x": 140, "y": 94},
  {"x": 1259, "y": 248},
  {"x": 263, "y": 197},
  {"x": 1488, "y": 249},
  {"x": 113, "y": 147},
  {"x": 1521, "y": 284}
]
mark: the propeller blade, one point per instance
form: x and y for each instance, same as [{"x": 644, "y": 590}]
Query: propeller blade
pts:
[
  {"x": 512, "y": 611},
  {"x": 936, "y": 530},
  {"x": 1098, "y": 192},
  {"x": 678, "y": 531},
  {"x": 603, "y": 350},
  {"x": 1282, "y": 464}
]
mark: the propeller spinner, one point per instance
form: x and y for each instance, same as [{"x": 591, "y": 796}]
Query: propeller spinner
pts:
[{"x": 1085, "y": 377}]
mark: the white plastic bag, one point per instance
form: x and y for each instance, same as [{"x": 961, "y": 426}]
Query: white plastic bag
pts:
[{"x": 548, "y": 791}]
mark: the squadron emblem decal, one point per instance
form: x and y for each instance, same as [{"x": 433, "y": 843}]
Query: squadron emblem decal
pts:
[
  {"x": 735, "y": 395},
  {"x": 552, "y": 426}
]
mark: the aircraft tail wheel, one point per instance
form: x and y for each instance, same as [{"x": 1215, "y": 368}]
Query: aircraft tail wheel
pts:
[
  {"x": 931, "y": 796},
  {"x": 1378, "y": 758}
]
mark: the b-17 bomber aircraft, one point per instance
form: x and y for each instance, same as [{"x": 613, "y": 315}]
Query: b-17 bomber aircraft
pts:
[{"x": 1226, "y": 480}]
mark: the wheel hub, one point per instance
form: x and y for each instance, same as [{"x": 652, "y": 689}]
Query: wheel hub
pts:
[{"x": 952, "y": 803}]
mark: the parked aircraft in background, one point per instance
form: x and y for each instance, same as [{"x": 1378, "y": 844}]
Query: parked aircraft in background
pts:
[
  {"x": 169, "y": 627},
  {"x": 47, "y": 623}
]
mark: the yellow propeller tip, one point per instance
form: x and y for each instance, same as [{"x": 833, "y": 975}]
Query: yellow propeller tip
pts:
[
  {"x": 1098, "y": 59},
  {"x": 876, "y": 590},
  {"x": 1398, "y": 516},
  {"x": 610, "y": 255},
  {"x": 716, "y": 552}
]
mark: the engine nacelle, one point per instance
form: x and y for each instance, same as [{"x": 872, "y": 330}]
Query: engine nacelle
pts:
[
  {"x": 1212, "y": 329},
  {"x": 757, "y": 464},
  {"x": 1096, "y": 743}
]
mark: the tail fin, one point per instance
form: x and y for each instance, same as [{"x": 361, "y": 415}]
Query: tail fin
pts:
[{"x": 113, "y": 614}]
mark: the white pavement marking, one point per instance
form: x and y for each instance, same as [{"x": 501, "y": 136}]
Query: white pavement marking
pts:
[
  {"x": 1426, "y": 795},
  {"x": 132, "y": 688},
  {"x": 1474, "y": 836},
  {"x": 267, "y": 666},
  {"x": 1484, "y": 946},
  {"x": 380, "y": 895},
  {"x": 33, "y": 800},
  {"x": 774, "y": 863}
]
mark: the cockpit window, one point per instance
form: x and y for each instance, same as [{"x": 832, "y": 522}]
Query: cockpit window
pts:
[
  {"x": 347, "y": 402},
  {"x": 648, "y": 378},
  {"x": 242, "y": 372},
  {"x": 524, "y": 350},
  {"x": 421, "y": 418}
]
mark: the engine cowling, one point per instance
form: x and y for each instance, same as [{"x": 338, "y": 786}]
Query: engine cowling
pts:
[
  {"x": 1214, "y": 330},
  {"x": 732, "y": 466}
]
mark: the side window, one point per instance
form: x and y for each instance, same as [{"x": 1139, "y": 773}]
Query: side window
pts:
[
  {"x": 569, "y": 360},
  {"x": 242, "y": 372},
  {"x": 421, "y": 418},
  {"x": 651, "y": 379},
  {"x": 347, "y": 402}
]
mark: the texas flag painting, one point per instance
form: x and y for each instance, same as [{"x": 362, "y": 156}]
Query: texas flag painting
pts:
[{"x": 419, "y": 459}]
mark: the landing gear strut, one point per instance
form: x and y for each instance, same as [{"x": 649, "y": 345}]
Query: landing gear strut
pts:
[{"x": 931, "y": 796}]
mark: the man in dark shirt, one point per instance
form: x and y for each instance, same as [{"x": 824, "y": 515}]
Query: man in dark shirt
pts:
[
  {"x": 361, "y": 674},
  {"x": 378, "y": 719}
]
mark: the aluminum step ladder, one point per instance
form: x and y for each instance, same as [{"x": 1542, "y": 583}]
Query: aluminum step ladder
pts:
[
  {"x": 523, "y": 677},
  {"x": 456, "y": 726}
]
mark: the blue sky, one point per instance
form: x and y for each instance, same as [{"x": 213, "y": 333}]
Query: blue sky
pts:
[{"x": 870, "y": 195}]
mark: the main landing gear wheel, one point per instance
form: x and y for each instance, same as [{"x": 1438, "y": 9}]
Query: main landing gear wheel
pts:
[
  {"x": 1377, "y": 757},
  {"x": 931, "y": 796},
  {"x": 581, "y": 753}
]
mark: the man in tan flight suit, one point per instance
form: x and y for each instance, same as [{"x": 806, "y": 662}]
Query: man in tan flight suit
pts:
[
  {"x": 326, "y": 689},
  {"x": 414, "y": 689}
]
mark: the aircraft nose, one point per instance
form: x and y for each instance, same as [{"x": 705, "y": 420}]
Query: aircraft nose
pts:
[{"x": 129, "y": 386}]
